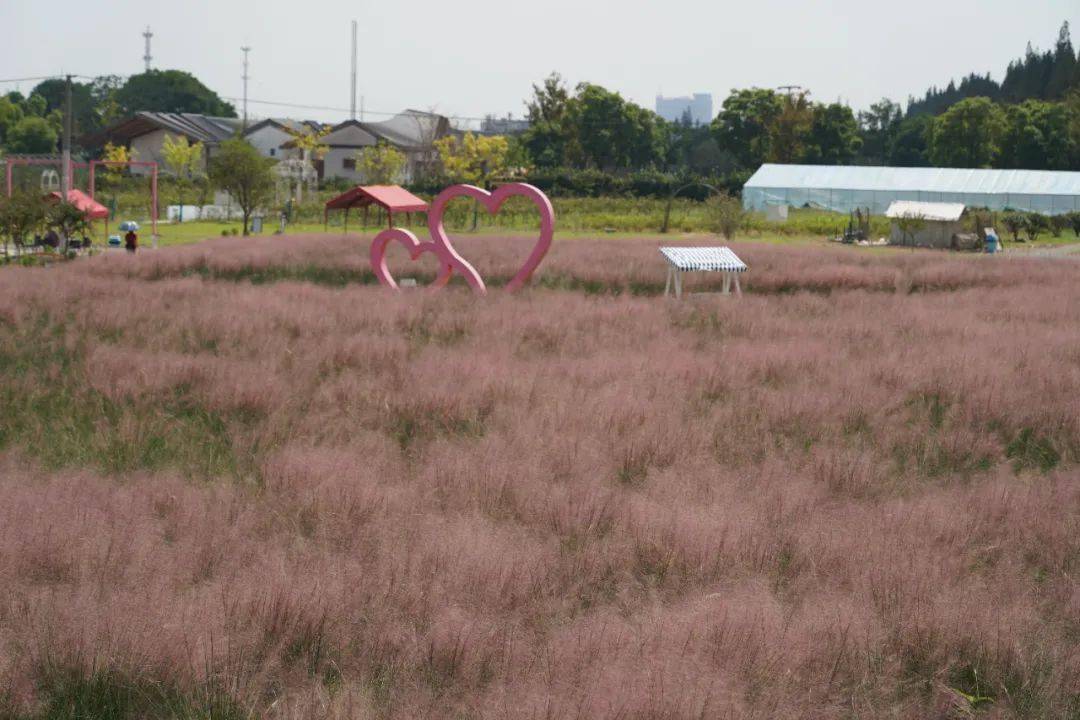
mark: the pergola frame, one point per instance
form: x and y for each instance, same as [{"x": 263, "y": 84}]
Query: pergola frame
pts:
[{"x": 11, "y": 162}]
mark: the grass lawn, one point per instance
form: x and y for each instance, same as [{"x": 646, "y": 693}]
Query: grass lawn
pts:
[{"x": 240, "y": 480}]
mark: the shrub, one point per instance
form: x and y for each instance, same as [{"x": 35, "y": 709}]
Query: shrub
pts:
[
  {"x": 1014, "y": 223},
  {"x": 1058, "y": 225},
  {"x": 726, "y": 215},
  {"x": 1073, "y": 220},
  {"x": 1035, "y": 224}
]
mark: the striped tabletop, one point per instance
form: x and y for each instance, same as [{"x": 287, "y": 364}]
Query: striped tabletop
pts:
[{"x": 719, "y": 259}]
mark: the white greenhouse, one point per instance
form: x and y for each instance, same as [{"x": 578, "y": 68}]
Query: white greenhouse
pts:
[{"x": 844, "y": 188}]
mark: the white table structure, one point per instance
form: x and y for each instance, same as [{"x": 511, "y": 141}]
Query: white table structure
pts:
[{"x": 702, "y": 259}]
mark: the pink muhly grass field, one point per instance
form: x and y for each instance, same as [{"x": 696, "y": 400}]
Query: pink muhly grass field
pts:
[{"x": 243, "y": 477}]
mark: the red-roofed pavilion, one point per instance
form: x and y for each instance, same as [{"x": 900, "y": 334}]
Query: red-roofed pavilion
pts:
[{"x": 392, "y": 198}]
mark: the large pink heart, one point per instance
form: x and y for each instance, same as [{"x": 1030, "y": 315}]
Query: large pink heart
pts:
[
  {"x": 416, "y": 249},
  {"x": 493, "y": 201}
]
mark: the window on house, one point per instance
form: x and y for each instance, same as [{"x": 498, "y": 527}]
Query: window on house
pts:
[
  {"x": 273, "y": 152},
  {"x": 348, "y": 163}
]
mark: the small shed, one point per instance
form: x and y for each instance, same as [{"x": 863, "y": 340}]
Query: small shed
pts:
[
  {"x": 391, "y": 198},
  {"x": 938, "y": 223}
]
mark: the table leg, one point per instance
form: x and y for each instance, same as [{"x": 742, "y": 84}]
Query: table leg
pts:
[
  {"x": 738, "y": 288},
  {"x": 667, "y": 285},
  {"x": 678, "y": 284}
]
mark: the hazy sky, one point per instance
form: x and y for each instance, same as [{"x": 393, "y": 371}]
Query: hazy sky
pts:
[{"x": 470, "y": 59}]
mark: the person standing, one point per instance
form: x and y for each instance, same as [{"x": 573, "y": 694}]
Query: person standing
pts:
[{"x": 131, "y": 241}]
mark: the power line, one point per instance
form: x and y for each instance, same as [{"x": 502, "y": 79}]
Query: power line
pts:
[{"x": 34, "y": 79}]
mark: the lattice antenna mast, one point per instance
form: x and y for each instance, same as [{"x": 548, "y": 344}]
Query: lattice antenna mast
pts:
[
  {"x": 246, "y": 49},
  {"x": 147, "y": 57}
]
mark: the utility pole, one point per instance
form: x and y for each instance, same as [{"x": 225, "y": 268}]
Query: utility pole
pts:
[
  {"x": 65, "y": 157},
  {"x": 246, "y": 50},
  {"x": 147, "y": 57},
  {"x": 352, "y": 104}
]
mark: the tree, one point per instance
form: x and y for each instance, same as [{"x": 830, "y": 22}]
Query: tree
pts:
[
  {"x": 744, "y": 125},
  {"x": 726, "y": 214},
  {"x": 909, "y": 145},
  {"x": 1036, "y": 136},
  {"x": 246, "y": 175},
  {"x": 10, "y": 114},
  {"x": 311, "y": 147},
  {"x": 910, "y": 225},
  {"x": 170, "y": 91},
  {"x": 31, "y": 135},
  {"x": 20, "y": 215},
  {"x": 967, "y": 135},
  {"x": 68, "y": 220},
  {"x": 381, "y": 164},
  {"x": 474, "y": 159},
  {"x": 789, "y": 129},
  {"x": 115, "y": 154},
  {"x": 83, "y": 108},
  {"x": 833, "y": 138},
  {"x": 183, "y": 160},
  {"x": 878, "y": 127},
  {"x": 549, "y": 101},
  {"x": 1063, "y": 72},
  {"x": 614, "y": 134}
]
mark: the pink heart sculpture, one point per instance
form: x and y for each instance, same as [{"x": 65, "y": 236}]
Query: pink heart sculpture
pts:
[
  {"x": 450, "y": 260},
  {"x": 493, "y": 201},
  {"x": 416, "y": 249}
]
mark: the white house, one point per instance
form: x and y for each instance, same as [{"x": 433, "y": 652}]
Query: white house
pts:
[
  {"x": 413, "y": 132},
  {"x": 271, "y": 136}
]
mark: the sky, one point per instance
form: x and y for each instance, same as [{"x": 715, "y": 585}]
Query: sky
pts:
[{"x": 472, "y": 59}]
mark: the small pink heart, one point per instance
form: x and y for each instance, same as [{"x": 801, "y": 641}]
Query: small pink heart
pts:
[
  {"x": 493, "y": 201},
  {"x": 415, "y": 248}
]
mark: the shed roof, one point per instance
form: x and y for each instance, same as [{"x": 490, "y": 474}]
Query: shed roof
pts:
[
  {"x": 391, "y": 197},
  {"x": 933, "y": 211},
  {"x": 943, "y": 180}
]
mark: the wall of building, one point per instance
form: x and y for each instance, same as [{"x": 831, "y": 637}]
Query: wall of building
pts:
[
  {"x": 148, "y": 148},
  {"x": 932, "y": 235},
  {"x": 268, "y": 141}
]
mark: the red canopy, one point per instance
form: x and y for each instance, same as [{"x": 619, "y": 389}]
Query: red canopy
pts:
[
  {"x": 90, "y": 207},
  {"x": 391, "y": 197}
]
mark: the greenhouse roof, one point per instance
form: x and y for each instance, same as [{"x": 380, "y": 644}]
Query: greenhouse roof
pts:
[{"x": 943, "y": 180}]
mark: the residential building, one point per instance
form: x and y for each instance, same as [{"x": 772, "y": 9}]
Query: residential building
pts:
[
  {"x": 145, "y": 132},
  {"x": 271, "y": 136},
  {"x": 413, "y": 132},
  {"x": 698, "y": 108}
]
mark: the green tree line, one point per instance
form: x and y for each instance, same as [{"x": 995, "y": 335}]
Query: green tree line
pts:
[{"x": 31, "y": 124}]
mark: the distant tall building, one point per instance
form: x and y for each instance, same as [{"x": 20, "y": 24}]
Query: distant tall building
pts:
[{"x": 674, "y": 109}]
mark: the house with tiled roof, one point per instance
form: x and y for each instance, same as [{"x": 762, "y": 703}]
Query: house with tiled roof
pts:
[{"x": 145, "y": 132}]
